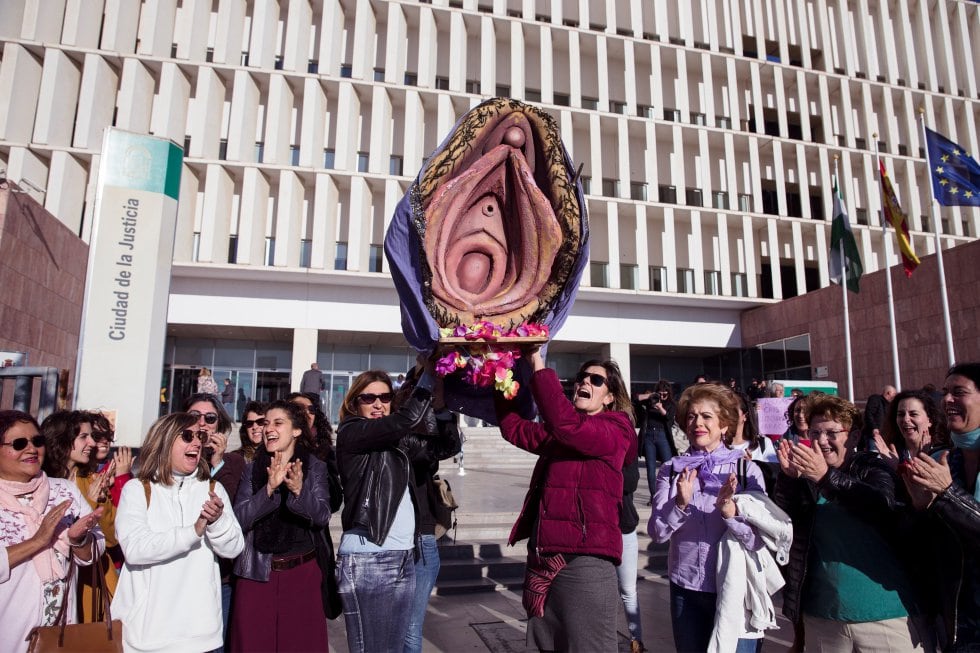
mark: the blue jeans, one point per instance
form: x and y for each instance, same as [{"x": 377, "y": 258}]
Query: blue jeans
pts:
[
  {"x": 692, "y": 616},
  {"x": 426, "y": 572},
  {"x": 655, "y": 449},
  {"x": 376, "y": 590},
  {"x": 626, "y": 573}
]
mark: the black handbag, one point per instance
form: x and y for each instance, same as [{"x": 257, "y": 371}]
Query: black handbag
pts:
[{"x": 326, "y": 560}]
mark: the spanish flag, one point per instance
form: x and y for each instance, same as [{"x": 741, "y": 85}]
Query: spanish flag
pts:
[{"x": 893, "y": 214}]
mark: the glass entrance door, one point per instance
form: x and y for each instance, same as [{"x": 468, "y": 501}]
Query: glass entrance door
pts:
[{"x": 336, "y": 390}]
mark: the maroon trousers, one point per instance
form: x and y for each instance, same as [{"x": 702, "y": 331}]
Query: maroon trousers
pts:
[{"x": 284, "y": 614}]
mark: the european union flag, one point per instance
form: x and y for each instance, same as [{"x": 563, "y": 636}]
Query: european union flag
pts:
[{"x": 955, "y": 176}]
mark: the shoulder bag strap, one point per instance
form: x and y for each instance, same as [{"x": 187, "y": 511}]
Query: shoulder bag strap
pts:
[
  {"x": 62, "y": 617},
  {"x": 100, "y": 587}
]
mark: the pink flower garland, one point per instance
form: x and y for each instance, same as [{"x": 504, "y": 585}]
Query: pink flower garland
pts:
[{"x": 485, "y": 364}]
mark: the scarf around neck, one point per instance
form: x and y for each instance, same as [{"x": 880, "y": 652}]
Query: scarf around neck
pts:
[
  {"x": 705, "y": 462},
  {"x": 45, "y": 561}
]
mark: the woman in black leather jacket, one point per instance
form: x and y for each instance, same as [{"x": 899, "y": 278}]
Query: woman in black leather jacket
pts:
[
  {"x": 846, "y": 583},
  {"x": 283, "y": 506},
  {"x": 945, "y": 486},
  {"x": 376, "y": 567}
]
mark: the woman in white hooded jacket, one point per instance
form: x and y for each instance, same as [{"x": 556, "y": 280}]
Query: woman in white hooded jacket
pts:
[{"x": 171, "y": 524}]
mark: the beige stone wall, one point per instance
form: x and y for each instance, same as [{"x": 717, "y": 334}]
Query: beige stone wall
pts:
[
  {"x": 918, "y": 317},
  {"x": 42, "y": 282}
]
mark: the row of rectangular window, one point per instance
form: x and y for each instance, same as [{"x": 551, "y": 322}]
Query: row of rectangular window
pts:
[{"x": 629, "y": 279}]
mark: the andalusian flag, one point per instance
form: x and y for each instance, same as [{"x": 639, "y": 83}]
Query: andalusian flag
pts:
[
  {"x": 894, "y": 215},
  {"x": 841, "y": 237}
]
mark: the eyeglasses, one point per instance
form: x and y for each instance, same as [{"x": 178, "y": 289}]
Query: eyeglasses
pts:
[
  {"x": 596, "y": 380},
  {"x": 368, "y": 398},
  {"x": 19, "y": 444},
  {"x": 815, "y": 435},
  {"x": 188, "y": 435},
  {"x": 249, "y": 423},
  {"x": 209, "y": 418},
  {"x": 103, "y": 436}
]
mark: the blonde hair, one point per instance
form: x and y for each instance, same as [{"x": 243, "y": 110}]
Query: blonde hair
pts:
[
  {"x": 725, "y": 399},
  {"x": 155, "y": 459}
]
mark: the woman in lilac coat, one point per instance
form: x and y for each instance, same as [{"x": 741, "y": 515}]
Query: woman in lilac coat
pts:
[{"x": 693, "y": 509}]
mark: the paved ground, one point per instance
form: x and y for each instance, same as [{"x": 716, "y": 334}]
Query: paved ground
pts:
[{"x": 495, "y": 621}]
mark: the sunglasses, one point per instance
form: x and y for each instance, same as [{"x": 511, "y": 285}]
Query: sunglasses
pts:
[
  {"x": 188, "y": 435},
  {"x": 103, "y": 436},
  {"x": 209, "y": 418},
  {"x": 596, "y": 380},
  {"x": 19, "y": 444},
  {"x": 249, "y": 423},
  {"x": 368, "y": 398}
]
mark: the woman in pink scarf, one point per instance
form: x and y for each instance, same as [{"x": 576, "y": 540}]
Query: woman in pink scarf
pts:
[{"x": 42, "y": 523}]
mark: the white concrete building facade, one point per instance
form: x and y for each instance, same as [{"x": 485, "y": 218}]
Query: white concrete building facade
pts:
[{"x": 708, "y": 134}]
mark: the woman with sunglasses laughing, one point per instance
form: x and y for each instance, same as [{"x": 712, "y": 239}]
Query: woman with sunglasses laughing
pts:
[
  {"x": 376, "y": 567},
  {"x": 283, "y": 505},
  {"x": 43, "y": 523},
  {"x": 173, "y": 526},
  {"x": 571, "y": 513}
]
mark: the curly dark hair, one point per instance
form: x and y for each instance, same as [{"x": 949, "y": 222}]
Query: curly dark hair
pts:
[
  {"x": 8, "y": 418},
  {"x": 297, "y": 417},
  {"x": 60, "y": 429},
  {"x": 938, "y": 431}
]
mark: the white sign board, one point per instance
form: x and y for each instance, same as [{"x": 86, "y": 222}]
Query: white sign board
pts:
[
  {"x": 772, "y": 415},
  {"x": 124, "y": 319}
]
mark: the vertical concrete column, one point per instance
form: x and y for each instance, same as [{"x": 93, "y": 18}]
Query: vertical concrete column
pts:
[
  {"x": 906, "y": 43},
  {"x": 595, "y": 152},
  {"x": 120, "y": 25},
  {"x": 804, "y": 178},
  {"x": 732, "y": 103},
  {"x": 517, "y": 60},
  {"x": 96, "y": 102},
  {"x": 772, "y": 247},
  {"x": 779, "y": 176},
  {"x": 326, "y": 203},
  {"x": 348, "y": 137},
  {"x": 396, "y": 44},
  {"x": 82, "y": 23},
  {"x": 619, "y": 352},
  {"x": 651, "y": 161},
  {"x": 968, "y": 65},
  {"x": 314, "y": 120},
  {"x": 445, "y": 114},
  {"x": 547, "y": 65},
  {"x": 381, "y": 128},
  {"x": 365, "y": 27},
  {"x": 623, "y": 172},
  {"x": 135, "y": 99},
  {"x": 66, "y": 189},
  {"x": 748, "y": 254},
  {"x": 755, "y": 175},
  {"x": 331, "y": 37},
  {"x": 567, "y": 128},
  {"x": 304, "y": 354},
  {"x": 361, "y": 220},
  {"x": 20, "y": 76},
  {"x": 186, "y": 210},
  {"x": 393, "y": 195},
  {"x": 656, "y": 83},
  {"x": 602, "y": 62},
  {"x": 265, "y": 26},
  {"x": 428, "y": 48},
  {"x": 204, "y": 125},
  {"x": 289, "y": 219},
  {"x": 642, "y": 248},
  {"x": 43, "y": 21},
  {"x": 156, "y": 27},
  {"x": 24, "y": 164},
  {"x": 170, "y": 104},
  {"x": 729, "y": 179},
  {"x": 575, "y": 80},
  {"x": 57, "y": 99},
  {"x": 724, "y": 255},
  {"x": 458, "y": 44},
  {"x": 923, "y": 41},
  {"x": 707, "y": 99},
  {"x": 415, "y": 122},
  {"x": 488, "y": 57},
  {"x": 252, "y": 219},
  {"x": 278, "y": 121},
  {"x": 296, "y": 44},
  {"x": 781, "y": 103},
  {"x": 219, "y": 190},
  {"x": 944, "y": 51},
  {"x": 682, "y": 98},
  {"x": 696, "y": 246},
  {"x": 800, "y": 257},
  {"x": 629, "y": 60},
  {"x": 670, "y": 248},
  {"x": 191, "y": 33},
  {"x": 243, "y": 118},
  {"x": 229, "y": 31},
  {"x": 612, "y": 236}
]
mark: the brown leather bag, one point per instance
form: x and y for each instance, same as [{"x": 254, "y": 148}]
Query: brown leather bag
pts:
[{"x": 96, "y": 637}]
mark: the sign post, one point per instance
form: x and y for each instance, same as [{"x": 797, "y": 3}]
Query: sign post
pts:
[{"x": 127, "y": 288}]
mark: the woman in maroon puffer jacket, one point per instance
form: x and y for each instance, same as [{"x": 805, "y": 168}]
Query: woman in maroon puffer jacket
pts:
[{"x": 571, "y": 512}]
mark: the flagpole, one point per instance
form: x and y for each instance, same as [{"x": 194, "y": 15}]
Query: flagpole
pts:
[
  {"x": 847, "y": 315},
  {"x": 939, "y": 248},
  {"x": 888, "y": 276}
]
